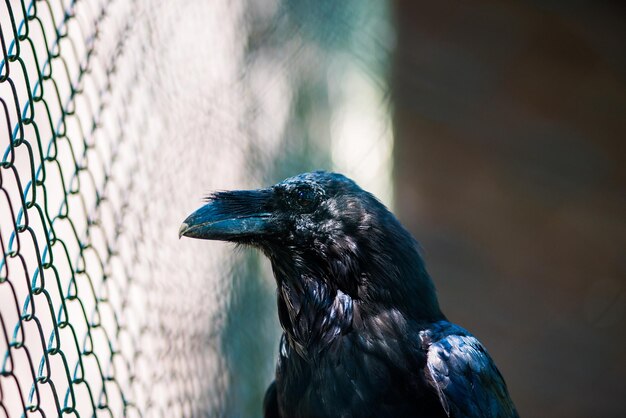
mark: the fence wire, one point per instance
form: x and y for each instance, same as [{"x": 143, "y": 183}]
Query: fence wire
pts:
[{"x": 116, "y": 116}]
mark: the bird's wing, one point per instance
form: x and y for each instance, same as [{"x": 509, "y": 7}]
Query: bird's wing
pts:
[
  {"x": 270, "y": 402},
  {"x": 467, "y": 381}
]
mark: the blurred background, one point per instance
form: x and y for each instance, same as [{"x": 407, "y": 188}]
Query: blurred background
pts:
[
  {"x": 510, "y": 120},
  {"x": 494, "y": 130}
]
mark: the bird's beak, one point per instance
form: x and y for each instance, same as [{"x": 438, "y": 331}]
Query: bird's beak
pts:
[{"x": 231, "y": 216}]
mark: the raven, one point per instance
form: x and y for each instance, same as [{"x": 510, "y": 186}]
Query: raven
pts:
[{"x": 363, "y": 334}]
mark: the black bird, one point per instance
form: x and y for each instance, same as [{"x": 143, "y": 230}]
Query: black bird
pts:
[{"x": 363, "y": 335}]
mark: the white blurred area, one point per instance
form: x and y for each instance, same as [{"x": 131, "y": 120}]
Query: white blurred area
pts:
[
  {"x": 361, "y": 131},
  {"x": 150, "y": 106}
]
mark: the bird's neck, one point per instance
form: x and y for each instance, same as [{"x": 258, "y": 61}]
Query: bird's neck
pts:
[
  {"x": 395, "y": 277},
  {"x": 316, "y": 305},
  {"x": 312, "y": 313}
]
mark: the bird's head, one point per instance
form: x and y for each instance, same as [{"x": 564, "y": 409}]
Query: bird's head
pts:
[
  {"x": 323, "y": 226},
  {"x": 305, "y": 213}
]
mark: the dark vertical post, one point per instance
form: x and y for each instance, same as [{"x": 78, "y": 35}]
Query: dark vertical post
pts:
[{"x": 509, "y": 157}]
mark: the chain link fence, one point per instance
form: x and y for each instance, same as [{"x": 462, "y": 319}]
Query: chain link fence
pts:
[{"x": 116, "y": 116}]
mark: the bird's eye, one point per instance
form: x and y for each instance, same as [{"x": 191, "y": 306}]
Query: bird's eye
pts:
[{"x": 305, "y": 197}]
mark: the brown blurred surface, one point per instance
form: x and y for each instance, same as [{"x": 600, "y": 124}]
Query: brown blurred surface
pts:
[{"x": 510, "y": 129}]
